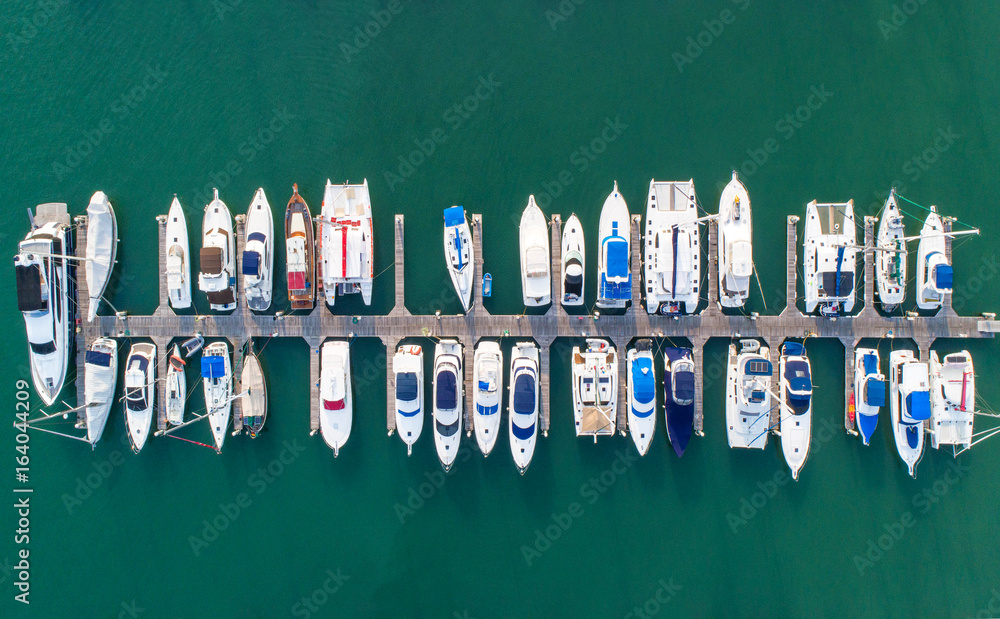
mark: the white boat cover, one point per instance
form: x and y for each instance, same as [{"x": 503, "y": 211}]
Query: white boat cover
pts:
[{"x": 101, "y": 240}]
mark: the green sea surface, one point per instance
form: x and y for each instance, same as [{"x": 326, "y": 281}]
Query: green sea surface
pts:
[{"x": 482, "y": 104}]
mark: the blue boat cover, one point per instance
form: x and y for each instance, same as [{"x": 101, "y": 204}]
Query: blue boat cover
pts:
[
  {"x": 875, "y": 393},
  {"x": 680, "y": 417},
  {"x": 943, "y": 276},
  {"x": 685, "y": 386},
  {"x": 793, "y": 349},
  {"x": 487, "y": 285},
  {"x": 406, "y": 386},
  {"x": 522, "y": 433},
  {"x": 213, "y": 367},
  {"x": 866, "y": 425},
  {"x": 798, "y": 376},
  {"x": 251, "y": 263},
  {"x": 617, "y": 257},
  {"x": 458, "y": 250},
  {"x": 484, "y": 385},
  {"x": 95, "y": 357},
  {"x": 487, "y": 410},
  {"x": 643, "y": 384},
  {"x": 257, "y": 236},
  {"x": 447, "y": 391},
  {"x": 454, "y": 216},
  {"x": 913, "y": 435},
  {"x": 918, "y": 404},
  {"x": 524, "y": 394},
  {"x": 870, "y": 363}
]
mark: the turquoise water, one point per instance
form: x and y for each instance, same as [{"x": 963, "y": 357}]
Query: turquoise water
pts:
[{"x": 807, "y": 102}]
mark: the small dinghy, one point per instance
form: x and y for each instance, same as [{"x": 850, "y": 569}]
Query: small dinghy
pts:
[
  {"x": 102, "y": 247},
  {"x": 140, "y": 391},
  {"x": 458, "y": 253},
  {"x": 178, "y": 258},
  {"x": 253, "y": 395},
  {"x": 573, "y": 262},
  {"x": 678, "y": 394},
  {"x": 192, "y": 345},
  {"x": 487, "y": 285},
  {"x": 101, "y": 376},
  {"x": 176, "y": 387},
  {"x": 258, "y": 254}
]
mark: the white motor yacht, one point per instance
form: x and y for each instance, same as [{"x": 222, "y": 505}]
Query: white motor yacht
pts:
[
  {"x": 218, "y": 256},
  {"x": 140, "y": 393},
  {"x": 448, "y": 400},
  {"x": 178, "y": 258},
  {"x": 523, "y": 405},
  {"x": 909, "y": 405},
  {"x": 536, "y": 276},
  {"x": 337, "y": 409},
  {"x": 735, "y": 244},
  {"x": 748, "y": 395},
  {"x": 614, "y": 272},
  {"x": 258, "y": 254},
  {"x": 408, "y": 370},
  {"x": 573, "y": 262}
]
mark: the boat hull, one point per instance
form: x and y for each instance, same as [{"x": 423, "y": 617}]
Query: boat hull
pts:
[
  {"x": 536, "y": 272},
  {"x": 140, "y": 382},
  {"x": 346, "y": 246},
  {"x": 460, "y": 258},
  {"x": 890, "y": 260},
  {"x": 488, "y": 369},
  {"x": 218, "y": 392},
  {"x": 300, "y": 253},
  {"x": 522, "y": 406},
  {"x": 102, "y": 248},
  {"x": 931, "y": 253},
  {"x": 614, "y": 256},
  {"x": 176, "y": 391},
  {"x": 795, "y": 425},
  {"x": 671, "y": 250},
  {"x": 748, "y": 420},
  {"x": 679, "y": 414},
  {"x": 409, "y": 410},
  {"x": 178, "y": 258},
  {"x": 735, "y": 245},
  {"x": 259, "y": 247},
  {"x": 907, "y": 431},
  {"x": 574, "y": 263},
  {"x": 449, "y": 398},
  {"x": 336, "y": 400},
  {"x": 100, "y": 379},
  {"x": 641, "y": 398}
]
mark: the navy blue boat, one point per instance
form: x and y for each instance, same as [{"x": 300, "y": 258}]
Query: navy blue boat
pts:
[{"x": 678, "y": 391}]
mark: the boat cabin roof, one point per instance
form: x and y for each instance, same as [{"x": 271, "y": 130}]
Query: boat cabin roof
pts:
[
  {"x": 29, "y": 288},
  {"x": 211, "y": 260}
]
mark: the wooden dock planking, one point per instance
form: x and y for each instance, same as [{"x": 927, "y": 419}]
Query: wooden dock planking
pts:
[
  {"x": 477, "y": 274},
  {"x": 399, "y": 268},
  {"x": 84, "y": 333}
]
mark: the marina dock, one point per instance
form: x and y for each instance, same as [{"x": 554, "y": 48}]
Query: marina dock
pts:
[{"x": 163, "y": 325}]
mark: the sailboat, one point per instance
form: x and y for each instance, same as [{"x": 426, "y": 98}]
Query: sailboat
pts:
[
  {"x": 45, "y": 297},
  {"x": 253, "y": 395},
  {"x": 458, "y": 253},
  {"x": 176, "y": 387},
  {"x": 573, "y": 262},
  {"x": 408, "y": 368},
  {"x": 100, "y": 377},
  {"x": 890, "y": 255},
  {"x": 641, "y": 394},
  {"x": 448, "y": 401},
  {"x": 218, "y": 256},
  {"x": 869, "y": 391},
  {"x": 536, "y": 277},
  {"x": 748, "y": 395},
  {"x": 934, "y": 273},
  {"x": 830, "y": 250},
  {"x": 595, "y": 389},
  {"x": 678, "y": 393},
  {"x": 345, "y": 241},
  {"x": 909, "y": 405},
  {"x": 178, "y": 258},
  {"x": 953, "y": 400},
  {"x": 487, "y": 381},
  {"x": 523, "y": 404},
  {"x": 672, "y": 258},
  {"x": 102, "y": 247},
  {"x": 217, "y": 379},
  {"x": 140, "y": 393},
  {"x": 337, "y": 409},
  {"x": 735, "y": 244},
  {"x": 795, "y": 425},
  {"x": 258, "y": 254},
  {"x": 300, "y": 252},
  {"x": 614, "y": 272}
]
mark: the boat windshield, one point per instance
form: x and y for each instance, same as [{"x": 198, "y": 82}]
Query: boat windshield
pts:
[
  {"x": 447, "y": 391},
  {"x": 334, "y": 405},
  {"x": 406, "y": 386},
  {"x": 524, "y": 394},
  {"x": 45, "y": 348},
  {"x": 447, "y": 429}
]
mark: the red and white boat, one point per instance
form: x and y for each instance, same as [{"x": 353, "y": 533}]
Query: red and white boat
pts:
[{"x": 345, "y": 241}]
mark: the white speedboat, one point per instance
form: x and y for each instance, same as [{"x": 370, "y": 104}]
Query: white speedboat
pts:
[
  {"x": 678, "y": 392},
  {"x": 345, "y": 241},
  {"x": 45, "y": 297},
  {"x": 735, "y": 244},
  {"x": 448, "y": 400},
  {"x": 641, "y": 395},
  {"x": 536, "y": 276},
  {"x": 458, "y": 253},
  {"x": 595, "y": 389},
  {"x": 337, "y": 409},
  {"x": 217, "y": 378},
  {"x": 934, "y": 274},
  {"x": 573, "y": 262},
  {"x": 178, "y": 258},
  {"x": 614, "y": 272},
  {"x": 830, "y": 250},
  {"x": 102, "y": 247},
  {"x": 748, "y": 395},
  {"x": 523, "y": 404},
  {"x": 953, "y": 399},
  {"x": 890, "y": 255},
  {"x": 140, "y": 393},
  {"x": 253, "y": 395},
  {"x": 408, "y": 369},
  {"x": 100, "y": 377},
  {"x": 672, "y": 258},
  {"x": 909, "y": 405},
  {"x": 176, "y": 387},
  {"x": 218, "y": 256},
  {"x": 300, "y": 253},
  {"x": 487, "y": 385},
  {"x": 869, "y": 391},
  {"x": 795, "y": 425},
  {"x": 258, "y": 254}
]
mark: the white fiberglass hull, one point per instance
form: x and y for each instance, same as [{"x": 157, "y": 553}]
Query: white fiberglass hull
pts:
[
  {"x": 614, "y": 253},
  {"x": 487, "y": 385},
  {"x": 748, "y": 398},
  {"x": 336, "y": 401},
  {"x": 460, "y": 259},
  {"x": 178, "y": 258},
  {"x": 408, "y": 370},
  {"x": 671, "y": 250},
  {"x": 523, "y": 404},
  {"x": 907, "y": 376},
  {"x": 140, "y": 393},
  {"x": 100, "y": 379},
  {"x": 219, "y": 394},
  {"x": 536, "y": 274},
  {"x": 830, "y": 254},
  {"x": 795, "y": 427},
  {"x": 574, "y": 262},
  {"x": 346, "y": 242},
  {"x": 890, "y": 259},
  {"x": 953, "y": 400},
  {"x": 259, "y": 247},
  {"x": 217, "y": 232},
  {"x": 176, "y": 391},
  {"x": 449, "y": 399},
  {"x": 735, "y": 244},
  {"x": 641, "y": 414},
  {"x": 102, "y": 247},
  {"x": 595, "y": 389},
  {"x": 931, "y": 252},
  {"x": 866, "y": 415}
]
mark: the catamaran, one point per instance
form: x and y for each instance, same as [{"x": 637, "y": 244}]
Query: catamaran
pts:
[
  {"x": 934, "y": 273},
  {"x": 614, "y": 273},
  {"x": 218, "y": 256},
  {"x": 345, "y": 241},
  {"x": 458, "y": 253},
  {"x": 176, "y": 387},
  {"x": 217, "y": 379},
  {"x": 671, "y": 255},
  {"x": 678, "y": 393},
  {"x": 140, "y": 393},
  {"x": 953, "y": 400},
  {"x": 748, "y": 395},
  {"x": 573, "y": 262},
  {"x": 487, "y": 380},
  {"x": 869, "y": 391},
  {"x": 735, "y": 244},
  {"x": 536, "y": 277},
  {"x": 45, "y": 296},
  {"x": 100, "y": 377},
  {"x": 909, "y": 405},
  {"x": 795, "y": 424},
  {"x": 641, "y": 394},
  {"x": 258, "y": 254},
  {"x": 408, "y": 369},
  {"x": 448, "y": 400},
  {"x": 253, "y": 395},
  {"x": 178, "y": 258},
  {"x": 830, "y": 253},
  {"x": 595, "y": 389},
  {"x": 336, "y": 412},
  {"x": 102, "y": 247},
  {"x": 523, "y": 404},
  {"x": 890, "y": 255},
  {"x": 300, "y": 251}
]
